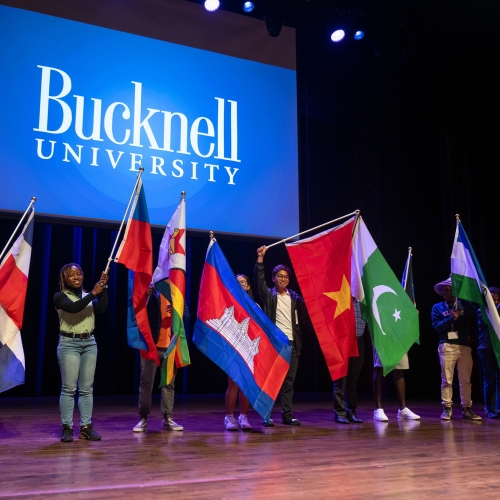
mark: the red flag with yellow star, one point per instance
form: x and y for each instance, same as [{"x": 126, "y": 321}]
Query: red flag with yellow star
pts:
[{"x": 322, "y": 265}]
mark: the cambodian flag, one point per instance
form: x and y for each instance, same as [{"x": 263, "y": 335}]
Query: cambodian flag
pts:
[
  {"x": 136, "y": 253},
  {"x": 235, "y": 334},
  {"x": 13, "y": 284}
]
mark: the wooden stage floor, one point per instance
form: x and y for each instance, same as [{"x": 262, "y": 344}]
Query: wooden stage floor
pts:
[{"x": 321, "y": 459}]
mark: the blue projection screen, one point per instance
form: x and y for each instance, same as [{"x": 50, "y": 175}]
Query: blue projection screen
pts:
[{"x": 83, "y": 107}]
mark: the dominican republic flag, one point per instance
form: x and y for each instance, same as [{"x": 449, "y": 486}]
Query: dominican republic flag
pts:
[
  {"x": 469, "y": 283},
  {"x": 136, "y": 253},
  {"x": 322, "y": 265},
  {"x": 236, "y": 335},
  {"x": 172, "y": 265},
  {"x": 13, "y": 284}
]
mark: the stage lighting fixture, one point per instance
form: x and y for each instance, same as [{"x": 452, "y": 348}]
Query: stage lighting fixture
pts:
[
  {"x": 248, "y": 6},
  {"x": 359, "y": 35},
  {"x": 212, "y": 5},
  {"x": 338, "y": 35}
]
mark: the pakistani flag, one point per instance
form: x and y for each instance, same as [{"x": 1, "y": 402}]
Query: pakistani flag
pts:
[
  {"x": 468, "y": 283},
  {"x": 391, "y": 316}
]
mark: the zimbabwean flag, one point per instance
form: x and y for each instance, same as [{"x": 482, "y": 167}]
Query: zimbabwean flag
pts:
[{"x": 172, "y": 265}]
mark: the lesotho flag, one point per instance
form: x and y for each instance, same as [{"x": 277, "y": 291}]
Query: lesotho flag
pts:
[
  {"x": 469, "y": 283},
  {"x": 236, "y": 335}
]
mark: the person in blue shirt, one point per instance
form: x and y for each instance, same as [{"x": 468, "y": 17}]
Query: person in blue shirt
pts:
[{"x": 450, "y": 319}]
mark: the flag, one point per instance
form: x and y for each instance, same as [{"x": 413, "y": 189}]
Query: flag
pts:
[
  {"x": 407, "y": 281},
  {"x": 391, "y": 316},
  {"x": 14, "y": 270},
  {"x": 236, "y": 335},
  {"x": 172, "y": 265},
  {"x": 136, "y": 253},
  {"x": 469, "y": 283},
  {"x": 322, "y": 265}
]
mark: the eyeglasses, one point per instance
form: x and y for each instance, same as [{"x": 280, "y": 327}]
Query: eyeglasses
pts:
[{"x": 283, "y": 277}]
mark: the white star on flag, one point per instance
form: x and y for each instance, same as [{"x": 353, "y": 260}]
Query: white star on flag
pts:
[{"x": 396, "y": 314}]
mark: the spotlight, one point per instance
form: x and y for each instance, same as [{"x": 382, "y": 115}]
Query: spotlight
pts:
[
  {"x": 359, "y": 35},
  {"x": 212, "y": 5},
  {"x": 338, "y": 35},
  {"x": 248, "y": 6}
]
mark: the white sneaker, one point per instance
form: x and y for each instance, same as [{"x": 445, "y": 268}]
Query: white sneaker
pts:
[
  {"x": 142, "y": 426},
  {"x": 243, "y": 423},
  {"x": 379, "y": 415},
  {"x": 230, "y": 423},
  {"x": 170, "y": 425},
  {"x": 408, "y": 414}
]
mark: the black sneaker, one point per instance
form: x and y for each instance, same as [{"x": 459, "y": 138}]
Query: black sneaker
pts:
[
  {"x": 468, "y": 414},
  {"x": 87, "y": 432},
  {"x": 67, "y": 434}
]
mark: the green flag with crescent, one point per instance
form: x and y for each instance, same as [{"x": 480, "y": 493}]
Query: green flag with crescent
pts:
[{"x": 391, "y": 316}]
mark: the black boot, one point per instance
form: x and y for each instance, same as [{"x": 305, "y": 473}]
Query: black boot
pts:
[
  {"x": 87, "y": 432},
  {"x": 67, "y": 434}
]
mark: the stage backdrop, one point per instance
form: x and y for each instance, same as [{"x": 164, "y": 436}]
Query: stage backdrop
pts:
[{"x": 83, "y": 107}]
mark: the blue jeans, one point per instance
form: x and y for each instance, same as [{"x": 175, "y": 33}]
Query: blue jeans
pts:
[{"x": 77, "y": 360}]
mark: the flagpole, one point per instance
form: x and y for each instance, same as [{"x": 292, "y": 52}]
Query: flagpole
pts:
[
  {"x": 356, "y": 212},
  {"x": 407, "y": 265},
  {"x": 141, "y": 170},
  {"x": 17, "y": 227}
]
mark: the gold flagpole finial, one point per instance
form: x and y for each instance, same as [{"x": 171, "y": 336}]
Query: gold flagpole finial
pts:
[
  {"x": 211, "y": 234},
  {"x": 457, "y": 216},
  {"x": 183, "y": 194}
]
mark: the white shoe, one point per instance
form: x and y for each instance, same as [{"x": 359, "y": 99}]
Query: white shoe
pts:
[
  {"x": 142, "y": 426},
  {"x": 170, "y": 425},
  {"x": 408, "y": 414},
  {"x": 243, "y": 423},
  {"x": 380, "y": 416},
  {"x": 230, "y": 423}
]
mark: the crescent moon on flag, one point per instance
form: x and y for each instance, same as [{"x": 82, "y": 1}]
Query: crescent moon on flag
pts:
[{"x": 377, "y": 292}]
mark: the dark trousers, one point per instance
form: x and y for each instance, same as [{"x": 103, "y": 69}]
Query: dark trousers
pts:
[
  {"x": 491, "y": 379},
  {"x": 345, "y": 398},
  {"x": 287, "y": 387},
  {"x": 148, "y": 371}
]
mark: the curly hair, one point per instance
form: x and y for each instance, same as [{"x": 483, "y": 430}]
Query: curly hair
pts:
[{"x": 64, "y": 272}]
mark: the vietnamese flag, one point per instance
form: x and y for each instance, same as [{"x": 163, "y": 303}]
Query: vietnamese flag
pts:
[
  {"x": 322, "y": 265},
  {"x": 136, "y": 253},
  {"x": 234, "y": 333}
]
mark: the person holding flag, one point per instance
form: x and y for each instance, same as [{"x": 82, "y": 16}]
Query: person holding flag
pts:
[
  {"x": 160, "y": 320},
  {"x": 77, "y": 348},
  {"x": 287, "y": 310},
  {"x": 450, "y": 319},
  {"x": 488, "y": 360},
  {"x": 230, "y": 423},
  {"x": 398, "y": 373},
  {"x": 167, "y": 292}
]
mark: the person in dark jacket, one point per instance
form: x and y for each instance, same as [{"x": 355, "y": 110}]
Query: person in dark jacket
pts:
[
  {"x": 451, "y": 320},
  {"x": 489, "y": 363},
  {"x": 287, "y": 310},
  {"x": 160, "y": 320}
]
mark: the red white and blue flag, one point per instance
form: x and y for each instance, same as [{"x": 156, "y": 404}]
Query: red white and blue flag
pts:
[
  {"x": 136, "y": 253},
  {"x": 236, "y": 335},
  {"x": 13, "y": 284}
]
